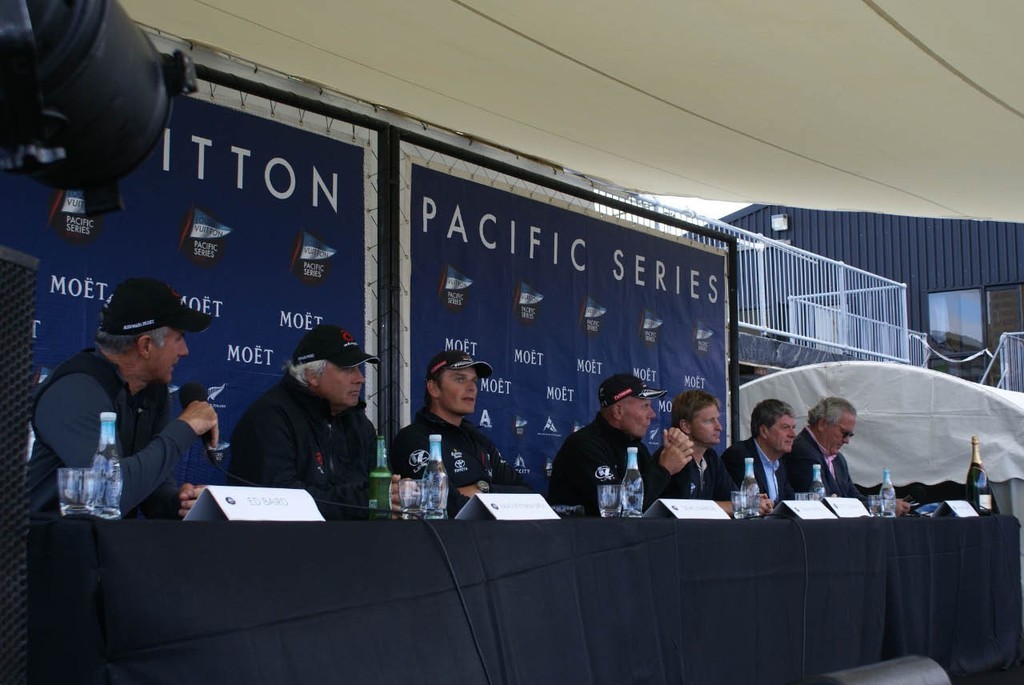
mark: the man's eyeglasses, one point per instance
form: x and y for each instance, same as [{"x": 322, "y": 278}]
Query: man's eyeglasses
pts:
[{"x": 846, "y": 433}]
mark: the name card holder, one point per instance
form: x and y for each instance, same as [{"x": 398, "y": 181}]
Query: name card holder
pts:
[
  {"x": 803, "y": 509},
  {"x": 234, "y": 503},
  {"x": 955, "y": 507},
  {"x": 846, "y": 507},
  {"x": 685, "y": 509},
  {"x": 506, "y": 507}
]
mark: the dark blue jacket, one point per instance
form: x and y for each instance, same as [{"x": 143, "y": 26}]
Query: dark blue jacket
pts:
[
  {"x": 716, "y": 485},
  {"x": 800, "y": 465},
  {"x": 734, "y": 461}
]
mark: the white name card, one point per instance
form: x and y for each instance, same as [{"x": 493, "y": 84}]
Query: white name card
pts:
[
  {"x": 233, "y": 503},
  {"x": 955, "y": 507},
  {"x": 506, "y": 507},
  {"x": 846, "y": 507},
  {"x": 803, "y": 509},
  {"x": 685, "y": 509}
]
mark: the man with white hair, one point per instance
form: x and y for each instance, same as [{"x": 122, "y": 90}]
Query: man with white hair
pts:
[{"x": 310, "y": 430}]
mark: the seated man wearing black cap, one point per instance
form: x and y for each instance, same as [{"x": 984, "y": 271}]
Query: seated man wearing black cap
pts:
[
  {"x": 472, "y": 462},
  {"x": 310, "y": 430},
  {"x": 140, "y": 339},
  {"x": 596, "y": 453}
]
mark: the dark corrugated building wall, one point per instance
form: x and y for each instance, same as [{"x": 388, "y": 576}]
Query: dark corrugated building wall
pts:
[{"x": 930, "y": 255}]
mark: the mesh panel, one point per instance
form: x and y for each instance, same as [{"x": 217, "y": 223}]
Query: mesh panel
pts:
[{"x": 17, "y": 283}]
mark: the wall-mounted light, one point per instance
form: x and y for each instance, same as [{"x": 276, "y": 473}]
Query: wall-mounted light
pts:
[{"x": 780, "y": 222}]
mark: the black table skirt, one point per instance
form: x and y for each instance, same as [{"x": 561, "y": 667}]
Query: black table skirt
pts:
[{"x": 573, "y": 601}]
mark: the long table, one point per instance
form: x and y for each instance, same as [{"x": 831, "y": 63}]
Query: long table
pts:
[{"x": 569, "y": 601}]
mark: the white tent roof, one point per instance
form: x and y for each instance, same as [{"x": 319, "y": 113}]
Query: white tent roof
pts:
[
  {"x": 897, "y": 106},
  {"x": 917, "y": 422}
]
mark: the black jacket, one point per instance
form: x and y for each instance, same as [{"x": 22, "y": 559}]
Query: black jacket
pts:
[
  {"x": 734, "y": 463},
  {"x": 469, "y": 456},
  {"x": 66, "y": 419},
  {"x": 289, "y": 439},
  {"x": 800, "y": 465},
  {"x": 716, "y": 485},
  {"x": 596, "y": 454}
]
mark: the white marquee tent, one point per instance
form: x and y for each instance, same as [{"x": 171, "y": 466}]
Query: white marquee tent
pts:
[{"x": 909, "y": 107}]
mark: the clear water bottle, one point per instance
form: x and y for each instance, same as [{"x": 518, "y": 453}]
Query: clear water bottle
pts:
[
  {"x": 888, "y": 495},
  {"x": 817, "y": 485},
  {"x": 750, "y": 487},
  {"x": 434, "y": 484},
  {"x": 632, "y": 487},
  {"x": 106, "y": 464}
]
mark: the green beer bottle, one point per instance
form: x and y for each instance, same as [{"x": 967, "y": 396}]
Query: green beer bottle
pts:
[{"x": 380, "y": 483}]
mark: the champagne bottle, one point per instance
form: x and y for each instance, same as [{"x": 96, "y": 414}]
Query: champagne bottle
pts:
[
  {"x": 434, "y": 484},
  {"x": 817, "y": 485},
  {"x": 750, "y": 487},
  {"x": 380, "y": 483},
  {"x": 105, "y": 500},
  {"x": 979, "y": 494},
  {"x": 888, "y": 494},
  {"x": 632, "y": 487}
]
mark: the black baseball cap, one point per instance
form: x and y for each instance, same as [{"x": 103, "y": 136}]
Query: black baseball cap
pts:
[
  {"x": 333, "y": 344},
  {"x": 456, "y": 359},
  {"x": 623, "y": 385},
  {"x": 143, "y": 304}
]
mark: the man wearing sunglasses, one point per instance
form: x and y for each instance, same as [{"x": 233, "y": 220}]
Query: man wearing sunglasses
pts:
[{"x": 830, "y": 426}]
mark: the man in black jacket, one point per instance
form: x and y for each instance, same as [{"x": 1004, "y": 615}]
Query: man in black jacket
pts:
[
  {"x": 139, "y": 340},
  {"x": 472, "y": 462},
  {"x": 310, "y": 430},
  {"x": 772, "y": 430},
  {"x": 830, "y": 425},
  {"x": 696, "y": 413},
  {"x": 596, "y": 453}
]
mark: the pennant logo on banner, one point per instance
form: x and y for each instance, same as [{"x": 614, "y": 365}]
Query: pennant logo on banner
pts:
[
  {"x": 453, "y": 288},
  {"x": 519, "y": 426},
  {"x": 67, "y": 216},
  {"x": 550, "y": 429},
  {"x": 649, "y": 325},
  {"x": 590, "y": 316},
  {"x": 520, "y": 465},
  {"x": 309, "y": 259},
  {"x": 702, "y": 337},
  {"x": 527, "y": 303},
  {"x": 202, "y": 237},
  {"x": 576, "y": 425}
]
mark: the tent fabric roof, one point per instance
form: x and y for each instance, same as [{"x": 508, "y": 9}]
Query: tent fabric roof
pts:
[
  {"x": 914, "y": 421},
  {"x": 900, "y": 106}
]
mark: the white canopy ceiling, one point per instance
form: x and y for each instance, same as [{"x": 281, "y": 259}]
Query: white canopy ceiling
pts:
[
  {"x": 914, "y": 421},
  {"x": 899, "y": 106}
]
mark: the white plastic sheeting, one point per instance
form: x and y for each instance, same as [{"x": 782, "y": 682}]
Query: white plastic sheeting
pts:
[{"x": 917, "y": 422}]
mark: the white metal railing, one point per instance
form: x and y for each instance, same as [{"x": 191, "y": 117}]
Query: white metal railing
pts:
[
  {"x": 1008, "y": 359},
  {"x": 811, "y": 300}
]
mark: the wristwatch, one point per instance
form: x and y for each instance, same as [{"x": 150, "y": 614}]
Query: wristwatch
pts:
[{"x": 483, "y": 486}]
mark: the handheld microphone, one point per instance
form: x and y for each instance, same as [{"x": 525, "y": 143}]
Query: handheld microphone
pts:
[{"x": 196, "y": 392}]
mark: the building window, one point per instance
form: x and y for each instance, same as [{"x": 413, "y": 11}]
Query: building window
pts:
[{"x": 956, "y": 331}]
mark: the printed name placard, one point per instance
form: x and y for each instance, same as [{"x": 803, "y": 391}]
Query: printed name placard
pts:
[
  {"x": 803, "y": 509},
  {"x": 955, "y": 507},
  {"x": 506, "y": 507},
  {"x": 685, "y": 509},
  {"x": 846, "y": 507},
  {"x": 233, "y": 503}
]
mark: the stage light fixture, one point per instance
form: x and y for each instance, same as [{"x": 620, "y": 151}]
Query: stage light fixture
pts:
[{"x": 84, "y": 95}]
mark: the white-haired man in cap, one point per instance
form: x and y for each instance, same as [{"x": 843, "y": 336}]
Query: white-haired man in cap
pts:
[
  {"x": 139, "y": 340},
  {"x": 596, "y": 453},
  {"x": 472, "y": 462},
  {"x": 310, "y": 430}
]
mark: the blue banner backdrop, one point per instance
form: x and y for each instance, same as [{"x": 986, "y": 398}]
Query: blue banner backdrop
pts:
[
  {"x": 257, "y": 223},
  {"x": 556, "y": 301}
]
